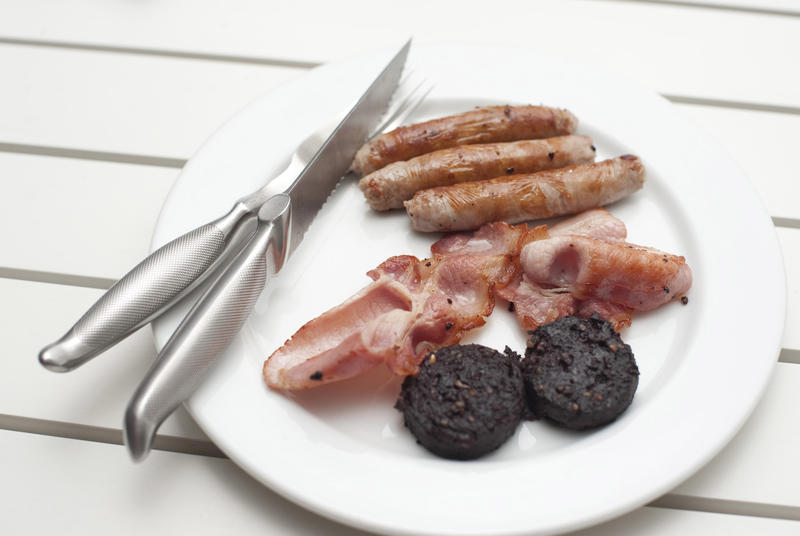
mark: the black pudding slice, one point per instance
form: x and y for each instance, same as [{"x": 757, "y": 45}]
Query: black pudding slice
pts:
[
  {"x": 578, "y": 372},
  {"x": 465, "y": 401}
]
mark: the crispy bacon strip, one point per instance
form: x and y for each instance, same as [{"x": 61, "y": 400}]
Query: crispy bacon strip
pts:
[
  {"x": 534, "y": 305},
  {"x": 619, "y": 315},
  {"x": 637, "y": 277},
  {"x": 411, "y": 308},
  {"x": 537, "y": 304}
]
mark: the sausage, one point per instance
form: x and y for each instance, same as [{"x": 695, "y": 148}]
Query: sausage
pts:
[
  {"x": 482, "y": 125},
  {"x": 388, "y": 187},
  {"x": 517, "y": 198}
]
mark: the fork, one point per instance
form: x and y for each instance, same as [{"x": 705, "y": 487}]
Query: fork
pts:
[
  {"x": 178, "y": 267},
  {"x": 210, "y": 325}
]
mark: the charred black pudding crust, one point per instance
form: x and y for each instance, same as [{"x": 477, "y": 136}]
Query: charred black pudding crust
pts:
[
  {"x": 464, "y": 402},
  {"x": 578, "y": 372}
]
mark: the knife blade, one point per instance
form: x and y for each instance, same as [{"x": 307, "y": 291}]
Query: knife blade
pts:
[
  {"x": 178, "y": 267},
  {"x": 221, "y": 311}
]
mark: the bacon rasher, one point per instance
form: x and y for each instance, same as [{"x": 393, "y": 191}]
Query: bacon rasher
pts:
[
  {"x": 412, "y": 307},
  {"x": 536, "y": 302},
  {"x": 637, "y": 277},
  {"x": 581, "y": 266}
]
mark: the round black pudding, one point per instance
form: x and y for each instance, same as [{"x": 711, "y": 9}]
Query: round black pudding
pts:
[
  {"x": 464, "y": 402},
  {"x": 578, "y": 372}
]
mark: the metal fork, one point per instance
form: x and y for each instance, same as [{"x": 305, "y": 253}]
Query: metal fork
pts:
[
  {"x": 211, "y": 324},
  {"x": 178, "y": 267}
]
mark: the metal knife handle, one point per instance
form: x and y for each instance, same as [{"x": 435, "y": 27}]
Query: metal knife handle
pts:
[
  {"x": 204, "y": 333},
  {"x": 154, "y": 285}
]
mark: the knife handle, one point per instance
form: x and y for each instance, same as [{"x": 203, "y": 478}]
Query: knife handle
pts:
[
  {"x": 149, "y": 289},
  {"x": 205, "y": 332}
]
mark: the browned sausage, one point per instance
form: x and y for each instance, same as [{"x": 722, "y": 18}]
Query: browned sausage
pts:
[
  {"x": 517, "y": 198},
  {"x": 481, "y": 125},
  {"x": 389, "y": 186}
]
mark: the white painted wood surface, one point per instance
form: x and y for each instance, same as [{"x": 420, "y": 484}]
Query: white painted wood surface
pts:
[
  {"x": 99, "y": 216},
  {"x": 93, "y": 395},
  {"x": 763, "y": 144},
  {"x": 675, "y": 49},
  {"x": 182, "y": 494},
  {"x": 125, "y": 92},
  {"x": 753, "y": 467},
  {"x": 191, "y": 102},
  {"x": 107, "y": 101}
]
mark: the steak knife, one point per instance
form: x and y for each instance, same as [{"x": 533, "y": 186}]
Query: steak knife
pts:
[
  {"x": 181, "y": 265},
  {"x": 290, "y": 207}
]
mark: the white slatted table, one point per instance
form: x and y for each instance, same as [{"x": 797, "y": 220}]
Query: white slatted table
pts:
[{"x": 103, "y": 101}]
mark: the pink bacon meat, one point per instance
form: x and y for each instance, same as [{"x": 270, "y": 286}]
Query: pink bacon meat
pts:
[
  {"x": 411, "y": 308},
  {"x": 637, "y": 277},
  {"x": 536, "y": 304},
  {"x": 612, "y": 289},
  {"x": 597, "y": 223},
  {"x": 579, "y": 266}
]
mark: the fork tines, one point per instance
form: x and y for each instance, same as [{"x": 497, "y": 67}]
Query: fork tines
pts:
[{"x": 411, "y": 92}]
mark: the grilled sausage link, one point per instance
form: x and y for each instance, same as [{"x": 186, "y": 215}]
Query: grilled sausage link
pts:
[
  {"x": 388, "y": 187},
  {"x": 517, "y": 198},
  {"x": 481, "y": 125}
]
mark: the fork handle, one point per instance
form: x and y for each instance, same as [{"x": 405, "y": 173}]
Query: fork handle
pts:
[
  {"x": 204, "y": 333},
  {"x": 149, "y": 289}
]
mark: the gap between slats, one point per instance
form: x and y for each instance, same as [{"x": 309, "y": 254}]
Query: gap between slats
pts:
[
  {"x": 788, "y": 355},
  {"x": 791, "y": 223},
  {"x": 720, "y": 7},
  {"x": 103, "y": 156},
  {"x": 724, "y": 506},
  {"x": 101, "y": 434},
  {"x": 735, "y": 105},
  {"x": 37, "y": 276},
  {"x": 272, "y": 62}
]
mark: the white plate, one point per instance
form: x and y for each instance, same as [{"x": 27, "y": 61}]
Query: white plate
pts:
[{"x": 342, "y": 450}]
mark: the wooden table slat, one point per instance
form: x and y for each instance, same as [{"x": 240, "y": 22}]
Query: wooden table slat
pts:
[
  {"x": 79, "y": 217},
  {"x": 153, "y": 106},
  {"x": 763, "y": 144},
  {"x": 753, "y": 466},
  {"x": 666, "y": 46},
  {"x": 197, "y": 495}
]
